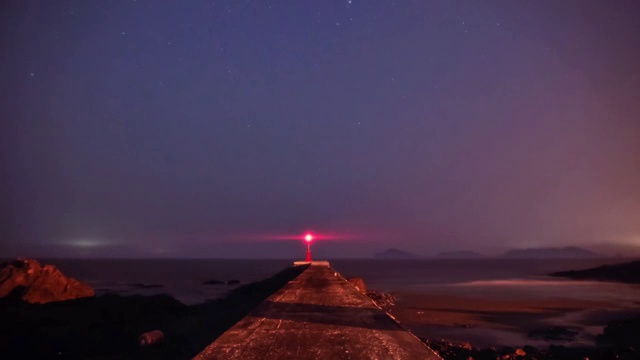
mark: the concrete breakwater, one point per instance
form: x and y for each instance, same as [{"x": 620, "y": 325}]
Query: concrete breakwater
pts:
[{"x": 317, "y": 315}]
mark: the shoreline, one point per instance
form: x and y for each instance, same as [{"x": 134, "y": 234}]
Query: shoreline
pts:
[
  {"x": 108, "y": 326},
  {"x": 457, "y": 325},
  {"x": 463, "y": 327}
]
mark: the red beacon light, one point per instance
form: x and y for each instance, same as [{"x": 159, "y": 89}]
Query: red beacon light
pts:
[{"x": 308, "y": 238}]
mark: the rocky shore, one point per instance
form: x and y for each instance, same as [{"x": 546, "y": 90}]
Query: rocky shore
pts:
[
  {"x": 32, "y": 282},
  {"x": 620, "y": 340},
  {"x": 113, "y": 326},
  {"x": 46, "y": 314},
  {"x": 628, "y": 272}
]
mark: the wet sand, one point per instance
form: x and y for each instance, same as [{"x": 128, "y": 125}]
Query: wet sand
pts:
[{"x": 488, "y": 321}]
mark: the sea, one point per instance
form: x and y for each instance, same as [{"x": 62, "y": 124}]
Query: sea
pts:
[
  {"x": 185, "y": 279},
  {"x": 483, "y": 281}
]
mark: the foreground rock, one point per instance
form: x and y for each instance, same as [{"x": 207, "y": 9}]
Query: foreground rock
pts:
[
  {"x": 358, "y": 283},
  {"x": 28, "y": 280},
  {"x": 620, "y": 340},
  {"x": 111, "y": 326},
  {"x": 453, "y": 351},
  {"x": 622, "y": 334},
  {"x": 626, "y": 272},
  {"x": 151, "y": 338},
  {"x": 384, "y": 300}
]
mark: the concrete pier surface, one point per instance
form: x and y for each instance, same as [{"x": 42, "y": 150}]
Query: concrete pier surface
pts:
[{"x": 317, "y": 315}]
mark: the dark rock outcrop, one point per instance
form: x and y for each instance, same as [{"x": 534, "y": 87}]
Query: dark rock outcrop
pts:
[
  {"x": 465, "y": 351},
  {"x": 28, "y": 280},
  {"x": 384, "y": 300},
  {"x": 151, "y": 338},
  {"x": 621, "y": 334},
  {"x": 620, "y": 340},
  {"x": 233, "y": 282},
  {"x": 626, "y": 272},
  {"x": 110, "y": 326}
]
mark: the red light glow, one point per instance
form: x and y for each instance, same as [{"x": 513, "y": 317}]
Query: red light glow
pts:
[{"x": 308, "y": 238}]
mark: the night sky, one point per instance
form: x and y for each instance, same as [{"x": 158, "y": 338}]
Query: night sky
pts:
[{"x": 217, "y": 128}]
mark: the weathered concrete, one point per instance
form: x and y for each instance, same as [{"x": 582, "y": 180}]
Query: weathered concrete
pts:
[
  {"x": 304, "y": 263},
  {"x": 317, "y": 315}
]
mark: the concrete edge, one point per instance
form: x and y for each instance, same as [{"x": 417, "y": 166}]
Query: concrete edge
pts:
[{"x": 386, "y": 313}]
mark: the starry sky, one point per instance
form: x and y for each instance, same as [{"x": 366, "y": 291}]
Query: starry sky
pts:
[{"x": 226, "y": 128}]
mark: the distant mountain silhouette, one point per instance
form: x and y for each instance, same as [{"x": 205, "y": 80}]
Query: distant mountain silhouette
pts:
[
  {"x": 626, "y": 272},
  {"x": 551, "y": 253},
  {"x": 392, "y": 253},
  {"x": 461, "y": 254}
]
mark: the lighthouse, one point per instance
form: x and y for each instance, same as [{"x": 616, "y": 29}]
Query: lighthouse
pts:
[{"x": 308, "y": 238}]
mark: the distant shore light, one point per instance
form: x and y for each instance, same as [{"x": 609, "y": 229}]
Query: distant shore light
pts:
[{"x": 308, "y": 237}]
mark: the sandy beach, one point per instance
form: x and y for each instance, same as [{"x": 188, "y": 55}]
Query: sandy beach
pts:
[{"x": 488, "y": 320}]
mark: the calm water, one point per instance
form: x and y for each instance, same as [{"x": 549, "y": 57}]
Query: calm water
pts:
[
  {"x": 184, "y": 279},
  {"x": 491, "y": 278},
  {"x": 520, "y": 284}
]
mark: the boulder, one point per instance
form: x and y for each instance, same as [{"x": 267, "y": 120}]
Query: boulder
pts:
[
  {"x": 34, "y": 283},
  {"x": 384, "y": 300},
  {"x": 151, "y": 338},
  {"x": 621, "y": 333},
  {"x": 358, "y": 283}
]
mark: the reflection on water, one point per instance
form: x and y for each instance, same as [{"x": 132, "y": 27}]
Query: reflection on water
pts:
[
  {"x": 618, "y": 294},
  {"x": 496, "y": 302},
  {"x": 487, "y": 301},
  {"x": 180, "y": 278},
  {"x": 184, "y": 279}
]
